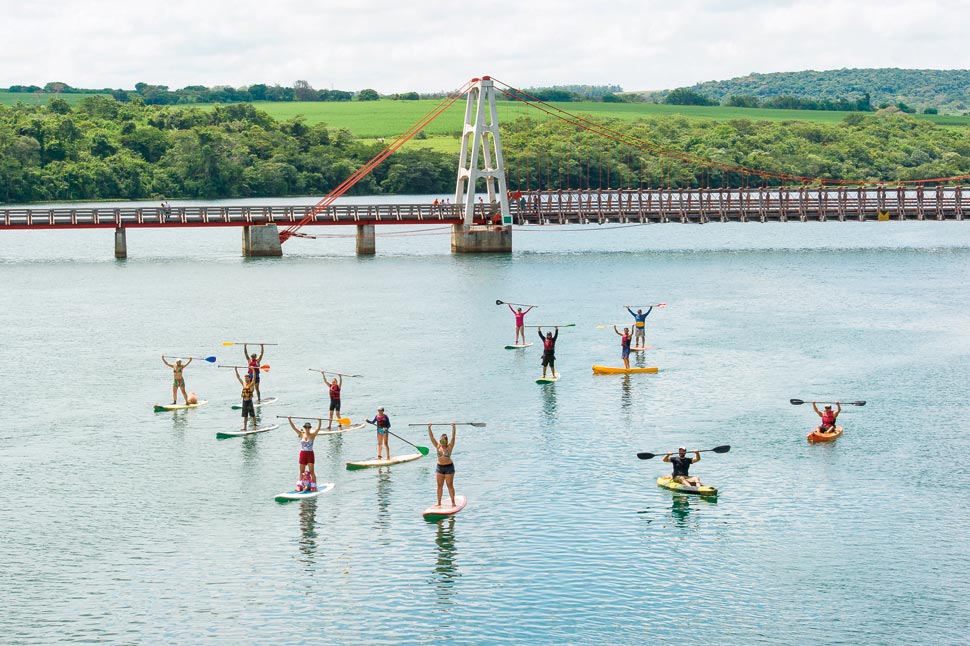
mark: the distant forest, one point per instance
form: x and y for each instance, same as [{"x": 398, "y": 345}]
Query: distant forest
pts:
[{"x": 929, "y": 91}]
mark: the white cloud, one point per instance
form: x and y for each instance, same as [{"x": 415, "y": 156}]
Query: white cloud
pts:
[{"x": 437, "y": 45}]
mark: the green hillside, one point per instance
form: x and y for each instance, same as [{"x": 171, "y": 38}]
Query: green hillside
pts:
[{"x": 29, "y": 98}]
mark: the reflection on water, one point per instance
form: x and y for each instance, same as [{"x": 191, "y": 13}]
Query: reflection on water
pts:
[
  {"x": 180, "y": 421},
  {"x": 308, "y": 532},
  {"x": 549, "y": 406},
  {"x": 445, "y": 574},
  {"x": 383, "y": 519},
  {"x": 680, "y": 507},
  {"x": 626, "y": 393}
]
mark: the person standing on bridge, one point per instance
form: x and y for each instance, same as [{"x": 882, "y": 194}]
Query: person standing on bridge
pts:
[
  {"x": 520, "y": 322},
  {"x": 638, "y": 327},
  {"x": 179, "y": 380},
  {"x": 548, "y": 351},
  {"x": 254, "y": 364}
]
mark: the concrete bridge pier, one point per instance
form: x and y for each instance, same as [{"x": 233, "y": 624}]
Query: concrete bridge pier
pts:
[
  {"x": 121, "y": 243},
  {"x": 481, "y": 239},
  {"x": 366, "y": 242},
  {"x": 261, "y": 241}
]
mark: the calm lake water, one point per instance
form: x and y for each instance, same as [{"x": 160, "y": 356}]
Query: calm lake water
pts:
[{"x": 121, "y": 525}]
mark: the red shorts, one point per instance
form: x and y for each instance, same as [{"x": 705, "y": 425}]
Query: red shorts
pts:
[{"x": 306, "y": 457}]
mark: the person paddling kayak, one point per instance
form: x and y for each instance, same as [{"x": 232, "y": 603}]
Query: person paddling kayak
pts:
[
  {"x": 520, "y": 322},
  {"x": 828, "y": 418},
  {"x": 248, "y": 410},
  {"x": 548, "y": 351},
  {"x": 445, "y": 471},
  {"x": 335, "y": 387},
  {"x": 306, "y": 450},
  {"x": 254, "y": 364},
  {"x": 179, "y": 380},
  {"x": 383, "y": 424},
  {"x": 682, "y": 465},
  {"x": 638, "y": 326},
  {"x": 624, "y": 345}
]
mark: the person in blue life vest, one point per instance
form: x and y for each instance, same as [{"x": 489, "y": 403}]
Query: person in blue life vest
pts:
[{"x": 639, "y": 318}]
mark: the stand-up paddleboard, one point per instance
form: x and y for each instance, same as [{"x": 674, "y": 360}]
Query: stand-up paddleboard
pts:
[
  {"x": 287, "y": 496},
  {"x": 667, "y": 482},
  {"x": 815, "y": 436},
  {"x": 445, "y": 509},
  {"x": 549, "y": 380},
  {"x": 383, "y": 462},
  {"x": 248, "y": 431},
  {"x": 342, "y": 429},
  {"x": 265, "y": 402},
  {"x": 517, "y": 346},
  {"x": 163, "y": 407},
  {"x": 640, "y": 348},
  {"x": 607, "y": 370}
]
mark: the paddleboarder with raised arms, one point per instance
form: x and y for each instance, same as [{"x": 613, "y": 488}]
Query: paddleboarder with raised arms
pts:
[
  {"x": 248, "y": 410},
  {"x": 624, "y": 345},
  {"x": 306, "y": 449},
  {"x": 520, "y": 322},
  {"x": 682, "y": 465},
  {"x": 179, "y": 380},
  {"x": 334, "y": 387},
  {"x": 445, "y": 470},
  {"x": 638, "y": 326},
  {"x": 548, "y": 351},
  {"x": 383, "y": 424},
  {"x": 254, "y": 364}
]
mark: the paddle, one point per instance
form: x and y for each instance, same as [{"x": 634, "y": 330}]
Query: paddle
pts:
[
  {"x": 716, "y": 449},
  {"x": 423, "y": 450},
  {"x": 654, "y": 305},
  {"x": 209, "y": 359},
  {"x": 799, "y": 402},
  {"x": 561, "y": 325},
  {"x": 343, "y": 421},
  {"x": 475, "y": 424},
  {"x": 498, "y": 302},
  {"x": 263, "y": 367},
  {"x": 332, "y": 372},
  {"x": 228, "y": 343}
]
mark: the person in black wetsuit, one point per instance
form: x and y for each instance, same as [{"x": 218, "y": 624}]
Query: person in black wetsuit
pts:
[
  {"x": 682, "y": 465},
  {"x": 549, "y": 351}
]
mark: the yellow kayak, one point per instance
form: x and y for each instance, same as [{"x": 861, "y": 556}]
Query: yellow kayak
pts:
[
  {"x": 607, "y": 370},
  {"x": 668, "y": 483}
]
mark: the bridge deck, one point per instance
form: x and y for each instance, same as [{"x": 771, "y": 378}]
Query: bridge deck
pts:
[{"x": 543, "y": 207}]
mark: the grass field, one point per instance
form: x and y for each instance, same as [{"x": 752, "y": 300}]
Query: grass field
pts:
[{"x": 11, "y": 98}]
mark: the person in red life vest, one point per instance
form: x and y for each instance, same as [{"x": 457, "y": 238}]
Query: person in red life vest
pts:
[
  {"x": 549, "y": 351},
  {"x": 254, "y": 363},
  {"x": 383, "y": 424},
  {"x": 335, "y": 387},
  {"x": 828, "y": 418},
  {"x": 624, "y": 345},
  {"x": 520, "y": 322}
]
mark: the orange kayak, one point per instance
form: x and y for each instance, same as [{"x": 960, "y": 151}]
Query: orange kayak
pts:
[{"x": 815, "y": 436}]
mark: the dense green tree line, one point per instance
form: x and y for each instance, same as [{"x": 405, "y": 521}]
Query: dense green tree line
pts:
[{"x": 105, "y": 149}]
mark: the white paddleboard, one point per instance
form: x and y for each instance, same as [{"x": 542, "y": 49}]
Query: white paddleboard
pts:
[
  {"x": 248, "y": 431},
  {"x": 437, "y": 512},
  {"x": 265, "y": 402},
  {"x": 548, "y": 380},
  {"x": 322, "y": 488},
  {"x": 163, "y": 407},
  {"x": 342, "y": 429},
  {"x": 517, "y": 346},
  {"x": 640, "y": 348},
  {"x": 383, "y": 462}
]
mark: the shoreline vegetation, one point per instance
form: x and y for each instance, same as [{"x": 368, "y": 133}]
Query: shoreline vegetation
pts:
[{"x": 99, "y": 148}]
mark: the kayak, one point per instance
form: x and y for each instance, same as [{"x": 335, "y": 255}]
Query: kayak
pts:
[
  {"x": 437, "y": 512},
  {"x": 383, "y": 462},
  {"x": 549, "y": 380},
  {"x": 342, "y": 429},
  {"x": 163, "y": 407},
  {"x": 248, "y": 431},
  {"x": 667, "y": 482},
  {"x": 607, "y": 370},
  {"x": 287, "y": 496},
  {"x": 265, "y": 402},
  {"x": 517, "y": 346},
  {"x": 815, "y": 436}
]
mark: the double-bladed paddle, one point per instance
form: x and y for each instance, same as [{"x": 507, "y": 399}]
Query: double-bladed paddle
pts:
[
  {"x": 799, "y": 402},
  {"x": 716, "y": 449}
]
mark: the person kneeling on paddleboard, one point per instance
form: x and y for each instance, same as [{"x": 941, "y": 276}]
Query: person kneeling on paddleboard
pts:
[
  {"x": 248, "y": 410},
  {"x": 306, "y": 452},
  {"x": 548, "y": 351},
  {"x": 383, "y": 423},
  {"x": 682, "y": 465},
  {"x": 828, "y": 418},
  {"x": 445, "y": 471}
]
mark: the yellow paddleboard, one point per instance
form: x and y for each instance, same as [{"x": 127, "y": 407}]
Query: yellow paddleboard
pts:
[{"x": 607, "y": 370}]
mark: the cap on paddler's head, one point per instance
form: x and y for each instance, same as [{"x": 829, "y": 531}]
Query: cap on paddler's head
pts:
[
  {"x": 681, "y": 448},
  {"x": 828, "y": 408},
  {"x": 380, "y": 408},
  {"x": 306, "y": 425}
]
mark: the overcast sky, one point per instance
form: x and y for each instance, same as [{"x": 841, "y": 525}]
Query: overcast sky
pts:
[{"x": 429, "y": 45}]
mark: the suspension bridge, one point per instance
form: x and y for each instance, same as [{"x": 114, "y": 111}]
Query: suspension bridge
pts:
[{"x": 485, "y": 225}]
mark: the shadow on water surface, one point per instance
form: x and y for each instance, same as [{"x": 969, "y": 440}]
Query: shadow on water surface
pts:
[{"x": 445, "y": 574}]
